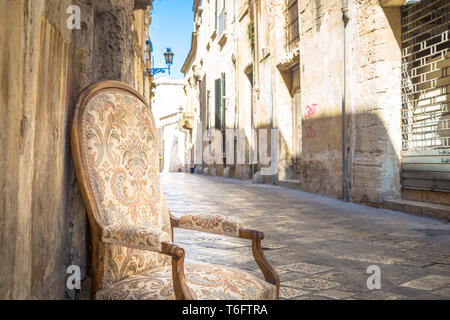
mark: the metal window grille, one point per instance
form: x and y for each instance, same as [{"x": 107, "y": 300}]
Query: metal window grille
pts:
[
  {"x": 426, "y": 95},
  {"x": 292, "y": 22},
  {"x": 425, "y": 76}
]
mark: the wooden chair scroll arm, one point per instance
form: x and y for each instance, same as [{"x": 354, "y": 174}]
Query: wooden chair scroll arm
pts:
[
  {"x": 270, "y": 274},
  {"x": 179, "y": 280}
]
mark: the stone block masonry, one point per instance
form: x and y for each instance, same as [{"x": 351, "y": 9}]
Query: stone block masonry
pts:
[{"x": 43, "y": 66}]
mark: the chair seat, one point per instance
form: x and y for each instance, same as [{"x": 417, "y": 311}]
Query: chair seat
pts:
[{"x": 205, "y": 281}]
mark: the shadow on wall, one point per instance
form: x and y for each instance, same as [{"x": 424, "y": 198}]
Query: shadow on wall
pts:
[{"x": 372, "y": 162}]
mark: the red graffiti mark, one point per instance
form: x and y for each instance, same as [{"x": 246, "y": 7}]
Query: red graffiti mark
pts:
[
  {"x": 310, "y": 111},
  {"x": 310, "y": 132}
]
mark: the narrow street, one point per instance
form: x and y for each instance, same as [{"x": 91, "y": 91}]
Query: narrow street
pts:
[
  {"x": 321, "y": 247},
  {"x": 269, "y": 111}
]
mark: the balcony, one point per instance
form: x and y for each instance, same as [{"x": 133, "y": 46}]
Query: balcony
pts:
[
  {"x": 186, "y": 121},
  {"x": 142, "y": 4}
]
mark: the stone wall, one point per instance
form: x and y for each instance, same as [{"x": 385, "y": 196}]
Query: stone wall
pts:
[
  {"x": 43, "y": 66},
  {"x": 372, "y": 98},
  {"x": 374, "y": 94}
]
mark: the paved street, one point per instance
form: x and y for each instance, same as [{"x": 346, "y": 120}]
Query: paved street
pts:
[{"x": 321, "y": 247}]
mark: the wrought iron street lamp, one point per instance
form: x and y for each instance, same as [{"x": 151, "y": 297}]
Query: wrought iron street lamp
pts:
[{"x": 168, "y": 56}]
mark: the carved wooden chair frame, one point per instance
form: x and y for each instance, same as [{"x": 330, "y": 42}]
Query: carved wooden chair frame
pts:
[{"x": 177, "y": 253}]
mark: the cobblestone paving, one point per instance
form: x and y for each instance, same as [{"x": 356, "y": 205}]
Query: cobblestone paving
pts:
[{"x": 321, "y": 247}]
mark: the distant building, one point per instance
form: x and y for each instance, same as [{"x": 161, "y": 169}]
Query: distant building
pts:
[{"x": 168, "y": 109}]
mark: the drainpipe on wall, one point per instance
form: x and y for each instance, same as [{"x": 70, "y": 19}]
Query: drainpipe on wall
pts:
[
  {"x": 271, "y": 127},
  {"x": 252, "y": 120},
  {"x": 256, "y": 66},
  {"x": 254, "y": 57},
  {"x": 236, "y": 80},
  {"x": 345, "y": 18}
]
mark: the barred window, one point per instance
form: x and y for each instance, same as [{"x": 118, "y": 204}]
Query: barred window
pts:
[
  {"x": 425, "y": 77},
  {"x": 292, "y": 22},
  {"x": 425, "y": 96}
]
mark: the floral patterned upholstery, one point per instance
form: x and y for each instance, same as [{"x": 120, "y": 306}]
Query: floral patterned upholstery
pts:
[
  {"x": 120, "y": 141},
  {"x": 132, "y": 236},
  {"x": 218, "y": 224},
  {"x": 206, "y": 282}
]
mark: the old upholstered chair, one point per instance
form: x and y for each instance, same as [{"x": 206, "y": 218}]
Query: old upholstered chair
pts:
[{"x": 115, "y": 149}]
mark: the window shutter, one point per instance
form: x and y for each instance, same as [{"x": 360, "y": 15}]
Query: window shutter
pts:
[{"x": 218, "y": 103}]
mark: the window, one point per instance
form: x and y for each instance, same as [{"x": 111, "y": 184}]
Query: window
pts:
[
  {"x": 220, "y": 107},
  {"x": 218, "y": 104},
  {"x": 222, "y": 21},
  {"x": 292, "y": 22},
  {"x": 425, "y": 98}
]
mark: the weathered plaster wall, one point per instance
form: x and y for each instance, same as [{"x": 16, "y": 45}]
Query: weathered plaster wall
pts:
[
  {"x": 113, "y": 54},
  {"x": 43, "y": 65},
  {"x": 372, "y": 99},
  {"x": 244, "y": 69},
  {"x": 35, "y": 60},
  {"x": 321, "y": 85},
  {"x": 283, "y": 59}
]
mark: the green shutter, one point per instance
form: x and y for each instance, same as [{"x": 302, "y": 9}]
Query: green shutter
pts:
[
  {"x": 222, "y": 109},
  {"x": 218, "y": 103}
]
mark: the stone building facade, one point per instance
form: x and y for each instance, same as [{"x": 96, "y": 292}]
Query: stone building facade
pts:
[
  {"x": 43, "y": 66},
  {"x": 358, "y": 90},
  {"x": 210, "y": 73}
]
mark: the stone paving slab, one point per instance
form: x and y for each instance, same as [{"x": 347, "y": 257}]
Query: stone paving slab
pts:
[{"x": 321, "y": 247}]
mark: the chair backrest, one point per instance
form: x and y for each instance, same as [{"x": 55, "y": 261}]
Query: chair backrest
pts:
[{"x": 115, "y": 147}]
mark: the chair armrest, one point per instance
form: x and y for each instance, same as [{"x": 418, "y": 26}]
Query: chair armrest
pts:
[
  {"x": 270, "y": 274},
  {"x": 136, "y": 237},
  {"x": 132, "y": 236},
  {"x": 233, "y": 228},
  {"x": 210, "y": 223}
]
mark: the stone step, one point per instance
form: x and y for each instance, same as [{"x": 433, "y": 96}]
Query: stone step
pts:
[
  {"x": 427, "y": 209},
  {"x": 289, "y": 183}
]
